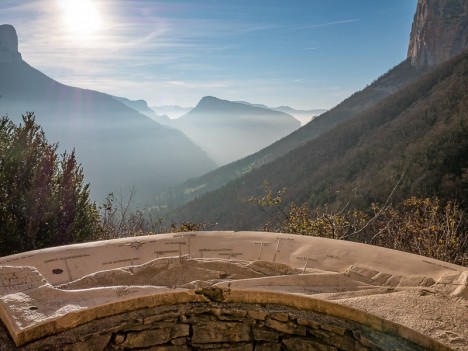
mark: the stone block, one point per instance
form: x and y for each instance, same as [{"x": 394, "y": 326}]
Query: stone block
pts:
[
  {"x": 205, "y": 333},
  {"x": 297, "y": 344},
  {"x": 119, "y": 339},
  {"x": 288, "y": 328},
  {"x": 98, "y": 342},
  {"x": 179, "y": 341},
  {"x": 171, "y": 348},
  {"x": 258, "y": 315},
  {"x": 334, "y": 329},
  {"x": 268, "y": 346},
  {"x": 243, "y": 347},
  {"x": 280, "y": 316},
  {"x": 308, "y": 323},
  {"x": 232, "y": 312},
  {"x": 265, "y": 335},
  {"x": 153, "y": 337},
  {"x": 224, "y": 346},
  {"x": 167, "y": 317}
]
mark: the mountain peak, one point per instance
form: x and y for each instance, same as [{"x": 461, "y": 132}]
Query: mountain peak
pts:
[
  {"x": 439, "y": 31},
  {"x": 8, "y": 44},
  {"x": 210, "y": 102}
]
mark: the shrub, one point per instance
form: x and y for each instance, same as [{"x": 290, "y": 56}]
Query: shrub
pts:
[
  {"x": 423, "y": 226},
  {"x": 43, "y": 200}
]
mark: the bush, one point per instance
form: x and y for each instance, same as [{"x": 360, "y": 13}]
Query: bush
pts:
[
  {"x": 422, "y": 226},
  {"x": 119, "y": 219},
  {"x": 43, "y": 200},
  {"x": 425, "y": 227}
]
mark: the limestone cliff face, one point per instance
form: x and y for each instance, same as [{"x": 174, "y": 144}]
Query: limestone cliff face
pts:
[
  {"x": 439, "y": 32},
  {"x": 8, "y": 44}
]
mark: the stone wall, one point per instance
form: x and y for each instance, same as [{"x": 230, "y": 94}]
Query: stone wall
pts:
[{"x": 218, "y": 326}]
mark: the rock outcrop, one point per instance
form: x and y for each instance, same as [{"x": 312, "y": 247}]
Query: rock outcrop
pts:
[
  {"x": 439, "y": 32},
  {"x": 8, "y": 44}
]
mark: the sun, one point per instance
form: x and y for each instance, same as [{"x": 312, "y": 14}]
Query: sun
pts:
[{"x": 81, "y": 16}]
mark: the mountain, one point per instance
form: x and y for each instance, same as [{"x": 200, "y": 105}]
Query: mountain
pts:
[
  {"x": 421, "y": 131},
  {"x": 395, "y": 79},
  {"x": 117, "y": 146},
  {"x": 439, "y": 31},
  {"x": 173, "y": 111},
  {"x": 229, "y": 131},
  {"x": 392, "y": 144},
  {"x": 303, "y": 116},
  {"x": 141, "y": 106}
]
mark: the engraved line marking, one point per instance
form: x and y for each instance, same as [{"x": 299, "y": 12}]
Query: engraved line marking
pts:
[
  {"x": 68, "y": 270},
  {"x": 66, "y": 258},
  {"x": 307, "y": 259},
  {"x": 188, "y": 236},
  {"x": 439, "y": 265},
  {"x": 121, "y": 261},
  {"x": 280, "y": 239},
  {"x": 305, "y": 266},
  {"x": 136, "y": 244},
  {"x": 262, "y": 244},
  {"x": 163, "y": 252},
  {"x": 212, "y": 250},
  {"x": 230, "y": 254},
  {"x": 189, "y": 246},
  {"x": 276, "y": 251}
]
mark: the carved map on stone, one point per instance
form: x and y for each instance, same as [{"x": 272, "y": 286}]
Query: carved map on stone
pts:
[{"x": 49, "y": 292}]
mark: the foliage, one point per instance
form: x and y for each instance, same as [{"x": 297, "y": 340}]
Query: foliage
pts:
[
  {"x": 119, "y": 219},
  {"x": 420, "y": 130},
  {"x": 43, "y": 200},
  {"x": 425, "y": 227},
  {"x": 396, "y": 78},
  {"x": 417, "y": 225}
]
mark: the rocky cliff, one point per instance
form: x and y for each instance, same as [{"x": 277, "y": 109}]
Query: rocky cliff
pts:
[
  {"x": 8, "y": 44},
  {"x": 439, "y": 32}
]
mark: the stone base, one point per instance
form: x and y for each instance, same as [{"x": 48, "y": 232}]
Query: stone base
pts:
[{"x": 218, "y": 326}]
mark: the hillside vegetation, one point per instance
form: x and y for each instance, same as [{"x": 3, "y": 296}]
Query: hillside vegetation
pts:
[
  {"x": 420, "y": 134},
  {"x": 392, "y": 81},
  {"x": 43, "y": 199},
  {"x": 109, "y": 137}
]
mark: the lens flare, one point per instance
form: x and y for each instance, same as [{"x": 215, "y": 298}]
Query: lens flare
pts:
[{"x": 81, "y": 16}]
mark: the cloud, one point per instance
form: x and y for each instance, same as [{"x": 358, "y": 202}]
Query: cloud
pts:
[
  {"x": 154, "y": 49},
  {"x": 327, "y": 24}
]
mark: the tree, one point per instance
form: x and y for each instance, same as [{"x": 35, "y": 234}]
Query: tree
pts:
[
  {"x": 424, "y": 226},
  {"x": 43, "y": 200}
]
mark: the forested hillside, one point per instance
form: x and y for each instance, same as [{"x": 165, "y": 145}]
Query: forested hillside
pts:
[
  {"x": 420, "y": 132},
  {"x": 388, "y": 83}
]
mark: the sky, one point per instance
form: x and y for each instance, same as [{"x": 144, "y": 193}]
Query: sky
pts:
[{"x": 307, "y": 54}]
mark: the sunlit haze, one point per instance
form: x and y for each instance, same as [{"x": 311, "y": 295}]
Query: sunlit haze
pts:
[
  {"x": 306, "y": 54},
  {"x": 81, "y": 16}
]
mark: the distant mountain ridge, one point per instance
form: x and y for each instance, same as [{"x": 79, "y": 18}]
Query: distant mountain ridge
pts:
[
  {"x": 229, "y": 131},
  {"x": 420, "y": 132},
  {"x": 118, "y": 147},
  {"x": 312, "y": 161},
  {"x": 304, "y": 116},
  {"x": 395, "y": 79},
  {"x": 172, "y": 111},
  {"x": 141, "y": 106}
]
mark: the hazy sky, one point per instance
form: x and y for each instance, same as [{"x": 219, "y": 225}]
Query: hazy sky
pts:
[{"x": 302, "y": 53}]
